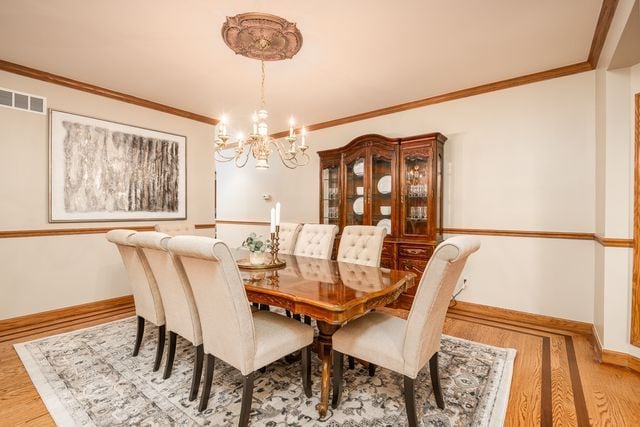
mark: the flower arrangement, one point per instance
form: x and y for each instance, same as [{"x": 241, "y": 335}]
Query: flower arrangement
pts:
[
  {"x": 256, "y": 243},
  {"x": 257, "y": 247}
]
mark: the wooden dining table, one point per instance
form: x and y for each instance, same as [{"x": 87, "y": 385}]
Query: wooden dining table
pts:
[{"x": 331, "y": 292}]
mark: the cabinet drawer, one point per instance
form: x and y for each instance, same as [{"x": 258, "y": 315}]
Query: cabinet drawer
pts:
[
  {"x": 387, "y": 250},
  {"x": 386, "y": 262},
  {"x": 414, "y": 266},
  {"x": 423, "y": 252}
]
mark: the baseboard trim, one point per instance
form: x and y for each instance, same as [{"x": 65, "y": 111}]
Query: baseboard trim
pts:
[
  {"x": 612, "y": 357},
  {"x": 17, "y": 324},
  {"x": 487, "y": 311}
]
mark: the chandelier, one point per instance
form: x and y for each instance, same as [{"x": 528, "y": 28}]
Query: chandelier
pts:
[{"x": 264, "y": 37}]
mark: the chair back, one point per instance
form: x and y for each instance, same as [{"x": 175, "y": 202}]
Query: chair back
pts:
[
  {"x": 146, "y": 295},
  {"x": 225, "y": 314},
  {"x": 176, "y": 228},
  {"x": 430, "y": 304},
  {"x": 361, "y": 244},
  {"x": 180, "y": 308},
  {"x": 316, "y": 240},
  {"x": 288, "y": 236}
]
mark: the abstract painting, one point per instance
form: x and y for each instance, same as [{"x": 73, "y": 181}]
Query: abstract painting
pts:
[{"x": 106, "y": 171}]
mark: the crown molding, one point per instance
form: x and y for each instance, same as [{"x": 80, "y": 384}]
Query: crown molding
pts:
[{"x": 100, "y": 91}]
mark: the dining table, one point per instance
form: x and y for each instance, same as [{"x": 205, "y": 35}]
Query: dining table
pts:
[{"x": 331, "y": 292}]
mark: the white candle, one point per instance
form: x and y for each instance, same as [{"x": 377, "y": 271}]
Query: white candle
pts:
[
  {"x": 255, "y": 123},
  {"x": 223, "y": 125},
  {"x": 291, "y": 123},
  {"x": 304, "y": 137},
  {"x": 278, "y": 213},
  {"x": 273, "y": 220}
]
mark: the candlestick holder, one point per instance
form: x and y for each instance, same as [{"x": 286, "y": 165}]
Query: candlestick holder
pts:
[{"x": 275, "y": 248}]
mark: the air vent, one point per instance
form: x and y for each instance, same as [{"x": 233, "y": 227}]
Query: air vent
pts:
[{"x": 22, "y": 101}]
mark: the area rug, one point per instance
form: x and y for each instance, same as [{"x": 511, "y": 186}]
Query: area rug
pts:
[{"x": 88, "y": 377}]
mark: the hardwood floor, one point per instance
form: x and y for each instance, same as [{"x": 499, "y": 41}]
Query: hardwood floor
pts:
[{"x": 556, "y": 380}]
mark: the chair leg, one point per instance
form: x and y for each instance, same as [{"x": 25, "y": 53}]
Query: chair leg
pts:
[
  {"x": 247, "y": 396},
  {"x": 297, "y": 317},
  {"x": 208, "y": 379},
  {"x": 288, "y": 313},
  {"x": 170, "y": 355},
  {"x": 410, "y": 401},
  {"x": 307, "y": 320},
  {"x": 306, "y": 370},
  {"x": 372, "y": 369},
  {"x": 435, "y": 380},
  {"x": 352, "y": 362},
  {"x": 338, "y": 361},
  {"x": 264, "y": 307},
  {"x": 197, "y": 372},
  {"x": 139, "y": 334},
  {"x": 160, "y": 348}
]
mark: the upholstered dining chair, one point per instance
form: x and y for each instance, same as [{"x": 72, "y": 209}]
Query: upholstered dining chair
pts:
[
  {"x": 361, "y": 244},
  {"x": 230, "y": 331},
  {"x": 180, "y": 308},
  {"x": 288, "y": 236},
  {"x": 146, "y": 295},
  {"x": 176, "y": 228},
  {"x": 405, "y": 346},
  {"x": 316, "y": 240}
]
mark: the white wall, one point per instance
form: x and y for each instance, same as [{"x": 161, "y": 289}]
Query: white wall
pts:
[
  {"x": 521, "y": 158},
  {"x": 44, "y": 273}
]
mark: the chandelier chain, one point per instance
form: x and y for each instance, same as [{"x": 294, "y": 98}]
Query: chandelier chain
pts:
[{"x": 262, "y": 102}]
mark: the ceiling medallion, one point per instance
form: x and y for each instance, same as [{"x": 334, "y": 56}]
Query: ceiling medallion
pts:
[
  {"x": 262, "y": 36},
  {"x": 265, "y": 38}
]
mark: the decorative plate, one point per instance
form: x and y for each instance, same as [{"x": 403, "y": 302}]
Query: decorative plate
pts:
[
  {"x": 385, "y": 223},
  {"x": 358, "y": 205},
  {"x": 358, "y": 167},
  {"x": 384, "y": 184}
]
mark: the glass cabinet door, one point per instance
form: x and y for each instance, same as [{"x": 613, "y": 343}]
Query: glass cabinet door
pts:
[
  {"x": 330, "y": 194},
  {"x": 415, "y": 213},
  {"x": 355, "y": 206},
  {"x": 382, "y": 190}
]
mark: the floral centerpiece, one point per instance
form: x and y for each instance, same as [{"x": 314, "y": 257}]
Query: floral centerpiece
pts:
[{"x": 257, "y": 247}]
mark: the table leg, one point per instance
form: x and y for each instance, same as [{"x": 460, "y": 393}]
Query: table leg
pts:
[{"x": 324, "y": 351}]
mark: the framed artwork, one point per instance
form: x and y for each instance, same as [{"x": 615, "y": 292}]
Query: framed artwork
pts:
[{"x": 106, "y": 171}]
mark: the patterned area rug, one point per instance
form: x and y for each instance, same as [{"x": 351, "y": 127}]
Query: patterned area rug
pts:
[{"x": 88, "y": 377}]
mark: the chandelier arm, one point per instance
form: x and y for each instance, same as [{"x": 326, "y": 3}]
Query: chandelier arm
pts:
[
  {"x": 288, "y": 159},
  {"x": 219, "y": 157},
  {"x": 240, "y": 163}
]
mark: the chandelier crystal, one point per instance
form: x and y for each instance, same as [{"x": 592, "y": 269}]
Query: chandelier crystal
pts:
[{"x": 259, "y": 144}]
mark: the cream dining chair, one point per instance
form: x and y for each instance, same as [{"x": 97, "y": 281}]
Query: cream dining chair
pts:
[
  {"x": 180, "y": 309},
  {"x": 146, "y": 295},
  {"x": 230, "y": 331},
  {"x": 176, "y": 228},
  {"x": 288, "y": 236},
  {"x": 405, "y": 346},
  {"x": 316, "y": 240},
  {"x": 361, "y": 244}
]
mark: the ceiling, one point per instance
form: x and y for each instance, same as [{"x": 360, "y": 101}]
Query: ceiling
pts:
[{"x": 357, "y": 55}]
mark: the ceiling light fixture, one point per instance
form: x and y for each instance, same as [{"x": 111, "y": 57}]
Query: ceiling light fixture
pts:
[{"x": 266, "y": 38}]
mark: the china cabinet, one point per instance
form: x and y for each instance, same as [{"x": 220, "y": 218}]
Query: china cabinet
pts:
[{"x": 395, "y": 183}]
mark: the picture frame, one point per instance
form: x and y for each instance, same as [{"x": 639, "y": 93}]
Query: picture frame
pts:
[{"x": 103, "y": 171}]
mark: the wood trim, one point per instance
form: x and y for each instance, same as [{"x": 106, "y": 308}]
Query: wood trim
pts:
[
  {"x": 13, "y": 325},
  {"x": 612, "y": 357},
  {"x": 605, "y": 18},
  {"x": 100, "y": 91},
  {"x": 522, "y": 233},
  {"x": 486, "y": 311},
  {"x": 450, "y": 96},
  {"x": 7, "y": 234},
  {"x": 635, "y": 283},
  {"x": 613, "y": 242},
  {"x": 231, "y": 221}
]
